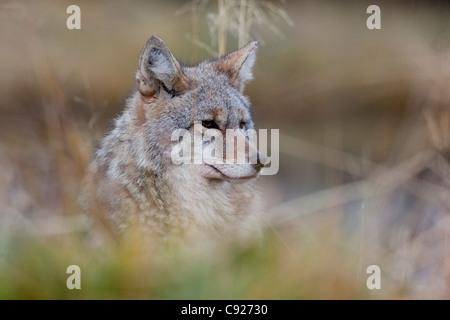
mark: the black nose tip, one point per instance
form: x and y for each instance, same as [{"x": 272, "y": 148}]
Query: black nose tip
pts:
[{"x": 260, "y": 161}]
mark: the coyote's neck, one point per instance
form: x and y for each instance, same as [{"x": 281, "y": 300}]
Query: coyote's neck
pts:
[{"x": 137, "y": 186}]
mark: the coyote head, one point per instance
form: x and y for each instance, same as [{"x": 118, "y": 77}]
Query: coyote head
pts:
[
  {"x": 136, "y": 158},
  {"x": 210, "y": 95}
]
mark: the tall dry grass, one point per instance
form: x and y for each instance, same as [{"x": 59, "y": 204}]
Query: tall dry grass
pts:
[{"x": 233, "y": 20}]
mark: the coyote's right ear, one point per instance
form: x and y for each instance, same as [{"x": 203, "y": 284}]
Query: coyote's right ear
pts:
[{"x": 158, "y": 69}]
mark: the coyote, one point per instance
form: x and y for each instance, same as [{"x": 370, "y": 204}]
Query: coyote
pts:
[{"x": 133, "y": 180}]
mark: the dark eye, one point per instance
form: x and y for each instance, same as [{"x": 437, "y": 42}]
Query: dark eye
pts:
[
  {"x": 210, "y": 124},
  {"x": 242, "y": 125}
]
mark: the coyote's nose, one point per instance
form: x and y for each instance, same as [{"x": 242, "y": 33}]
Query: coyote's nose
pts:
[{"x": 258, "y": 160}]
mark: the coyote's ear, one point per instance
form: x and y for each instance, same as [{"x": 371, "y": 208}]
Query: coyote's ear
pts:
[
  {"x": 159, "y": 70},
  {"x": 238, "y": 65}
]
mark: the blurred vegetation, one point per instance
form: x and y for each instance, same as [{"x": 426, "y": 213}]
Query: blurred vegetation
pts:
[{"x": 364, "y": 119}]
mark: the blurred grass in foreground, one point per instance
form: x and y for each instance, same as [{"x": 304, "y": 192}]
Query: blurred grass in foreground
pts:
[{"x": 265, "y": 270}]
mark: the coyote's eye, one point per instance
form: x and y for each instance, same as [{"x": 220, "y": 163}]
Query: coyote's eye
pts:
[
  {"x": 242, "y": 125},
  {"x": 210, "y": 124}
]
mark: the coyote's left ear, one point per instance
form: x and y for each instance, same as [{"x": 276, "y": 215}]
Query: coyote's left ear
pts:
[
  {"x": 238, "y": 65},
  {"x": 159, "y": 70}
]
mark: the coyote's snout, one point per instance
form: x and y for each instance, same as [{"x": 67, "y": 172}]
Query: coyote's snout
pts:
[{"x": 134, "y": 177}]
